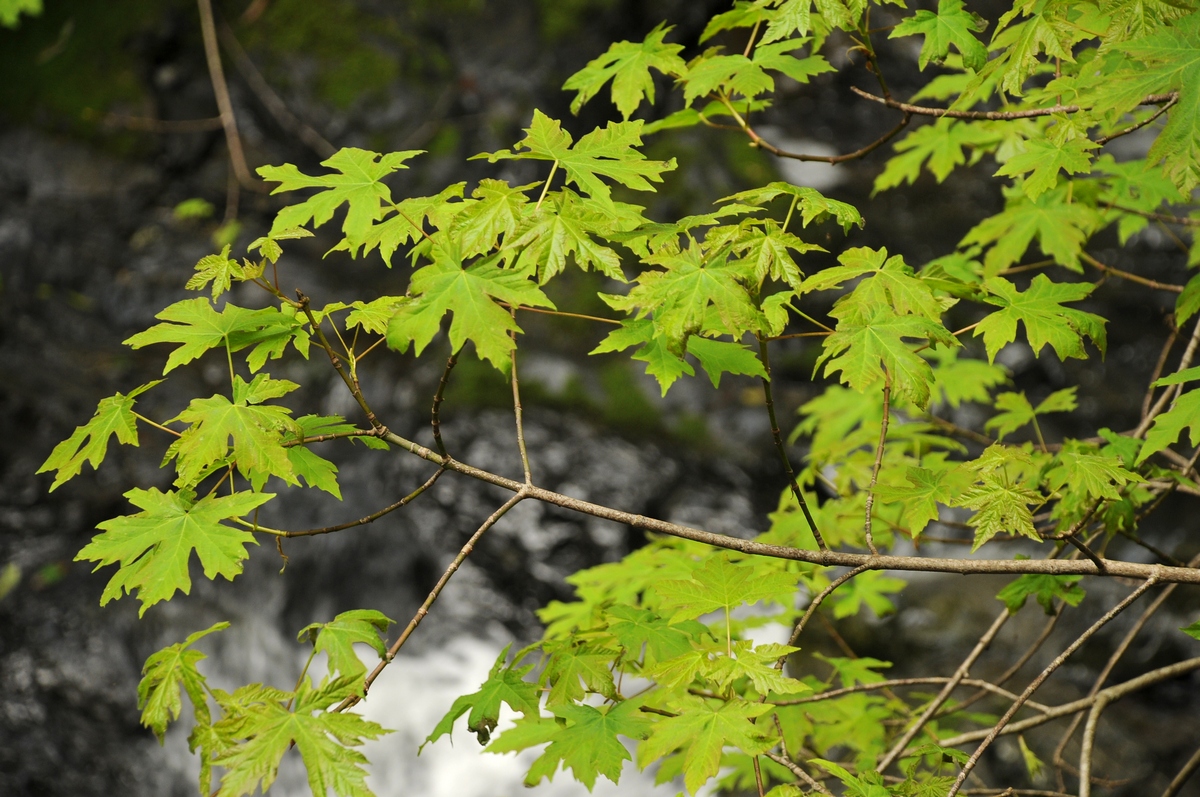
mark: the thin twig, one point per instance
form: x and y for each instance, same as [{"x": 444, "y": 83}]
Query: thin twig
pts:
[
  {"x": 883, "y": 427},
  {"x": 350, "y": 382},
  {"x": 1183, "y": 775},
  {"x": 961, "y": 673},
  {"x": 815, "y": 604},
  {"x": 1183, "y": 221},
  {"x": 1085, "y": 752},
  {"x": 1139, "y": 125},
  {"x": 435, "y": 418},
  {"x": 267, "y": 96},
  {"x": 1158, "y": 368},
  {"x": 781, "y": 448},
  {"x": 433, "y": 596},
  {"x": 216, "y": 73},
  {"x": 996, "y": 116},
  {"x": 1125, "y": 275},
  {"x": 1041, "y": 678},
  {"x": 517, "y": 411},
  {"x": 1112, "y": 693},
  {"x": 371, "y": 518},
  {"x": 1016, "y": 667},
  {"x": 1172, "y": 391},
  {"x": 893, "y": 683}
]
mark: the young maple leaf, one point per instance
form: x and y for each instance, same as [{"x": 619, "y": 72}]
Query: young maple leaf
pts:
[
  {"x": 653, "y": 349},
  {"x": 562, "y": 228},
  {"x": 703, "y": 729},
  {"x": 628, "y": 66},
  {"x": 1045, "y": 318},
  {"x": 1045, "y": 159},
  {"x": 635, "y": 628},
  {"x": 940, "y": 147},
  {"x": 1061, "y": 228},
  {"x": 1167, "y": 59},
  {"x": 588, "y": 743},
  {"x": 407, "y": 223},
  {"x": 1183, "y": 414},
  {"x": 952, "y": 24},
  {"x": 325, "y": 740},
  {"x": 1042, "y": 587},
  {"x": 337, "y": 637},
  {"x": 812, "y": 204},
  {"x": 89, "y": 443},
  {"x": 1016, "y": 411},
  {"x": 162, "y": 675},
  {"x": 153, "y": 546},
  {"x": 252, "y": 432},
  {"x": 721, "y": 584},
  {"x": 683, "y": 298},
  {"x": 890, "y": 281},
  {"x": 871, "y": 338},
  {"x": 606, "y": 152},
  {"x": 445, "y": 286},
  {"x": 503, "y": 685},
  {"x": 358, "y": 183},
  {"x": 197, "y": 327}
]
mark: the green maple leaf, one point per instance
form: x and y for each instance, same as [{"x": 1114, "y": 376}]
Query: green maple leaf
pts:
[
  {"x": 222, "y": 271},
  {"x": 635, "y": 628},
  {"x": 1045, "y": 158},
  {"x": 1046, "y": 320},
  {"x": 793, "y": 17},
  {"x": 1046, "y": 30},
  {"x": 568, "y": 665},
  {"x": 197, "y": 327},
  {"x": 325, "y": 740},
  {"x": 767, "y": 250},
  {"x": 503, "y": 685},
  {"x": 952, "y": 24},
  {"x": 89, "y": 443},
  {"x": 721, "y": 584},
  {"x": 268, "y": 245},
  {"x": 940, "y": 147},
  {"x": 724, "y": 357},
  {"x": 812, "y": 204},
  {"x": 889, "y": 281},
  {"x": 1192, "y": 630},
  {"x": 703, "y": 730},
  {"x": 653, "y": 349},
  {"x": 1016, "y": 411},
  {"x": 926, "y": 488},
  {"x": 1168, "y": 59},
  {"x": 164, "y": 673},
  {"x": 1184, "y": 414},
  {"x": 253, "y": 433},
  {"x": 869, "y": 339},
  {"x": 337, "y": 637},
  {"x": 11, "y": 10},
  {"x": 470, "y": 294},
  {"x": 1098, "y": 475},
  {"x": 1044, "y": 588},
  {"x": 628, "y": 66},
  {"x": 358, "y": 182},
  {"x": 960, "y": 379},
  {"x": 755, "y": 663},
  {"x": 743, "y": 15},
  {"x": 407, "y": 223},
  {"x": 869, "y": 591},
  {"x": 1061, "y": 229},
  {"x": 607, "y": 152},
  {"x": 495, "y": 212},
  {"x": 584, "y": 740},
  {"x": 1000, "y": 495},
  {"x": 1188, "y": 302},
  {"x": 153, "y": 546},
  {"x": 562, "y": 228},
  {"x": 691, "y": 289}
]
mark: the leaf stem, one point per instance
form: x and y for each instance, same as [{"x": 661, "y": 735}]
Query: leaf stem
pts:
[
  {"x": 166, "y": 429},
  {"x": 546, "y": 187}
]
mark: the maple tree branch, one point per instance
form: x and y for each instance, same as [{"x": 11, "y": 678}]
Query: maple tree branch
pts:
[
  {"x": 1125, "y": 275},
  {"x": 883, "y": 428},
  {"x": 815, "y": 604},
  {"x": 1041, "y": 678},
  {"x": 1183, "y": 221},
  {"x": 267, "y": 96},
  {"x": 1139, "y": 125},
  {"x": 931, "y": 710},
  {"x": 1033, "y": 648},
  {"x": 1112, "y": 693},
  {"x": 233, "y": 140},
  {"x": 893, "y": 683},
  {"x": 824, "y": 557},
  {"x": 1182, "y": 776},
  {"x": 995, "y": 116},
  {"x": 368, "y": 518},
  {"x": 435, "y": 418},
  {"x": 451, "y": 569},
  {"x": 781, "y": 448}
]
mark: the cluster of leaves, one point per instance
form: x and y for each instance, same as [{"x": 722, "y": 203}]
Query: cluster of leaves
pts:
[{"x": 714, "y": 290}]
